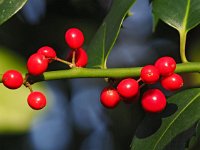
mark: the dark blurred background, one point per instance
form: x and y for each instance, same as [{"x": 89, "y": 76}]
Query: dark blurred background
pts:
[{"x": 74, "y": 118}]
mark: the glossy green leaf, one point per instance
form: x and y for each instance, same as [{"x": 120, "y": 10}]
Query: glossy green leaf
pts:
[
  {"x": 104, "y": 39},
  {"x": 156, "y": 131},
  {"x": 155, "y": 22},
  {"x": 192, "y": 142},
  {"x": 195, "y": 143},
  {"x": 195, "y": 138},
  {"x": 180, "y": 14},
  {"x": 198, "y": 129},
  {"x": 8, "y": 8}
]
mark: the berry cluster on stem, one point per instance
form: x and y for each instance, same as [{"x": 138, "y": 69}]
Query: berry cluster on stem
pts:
[
  {"x": 153, "y": 100},
  {"x": 38, "y": 63},
  {"x": 127, "y": 90}
]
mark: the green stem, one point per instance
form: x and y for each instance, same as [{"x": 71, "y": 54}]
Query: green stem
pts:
[
  {"x": 112, "y": 72},
  {"x": 183, "y": 35},
  {"x": 107, "y": 73}
]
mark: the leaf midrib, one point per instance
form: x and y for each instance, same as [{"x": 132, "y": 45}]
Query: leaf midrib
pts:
[
  {"x": 175, "y": 119},
  {"x": 184, "y": 24}
]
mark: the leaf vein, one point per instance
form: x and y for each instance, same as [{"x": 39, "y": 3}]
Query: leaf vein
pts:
[{"x": 186, "y": 15}]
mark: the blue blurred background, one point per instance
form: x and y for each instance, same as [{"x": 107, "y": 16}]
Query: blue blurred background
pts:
[{"x": 75, "y": 119}]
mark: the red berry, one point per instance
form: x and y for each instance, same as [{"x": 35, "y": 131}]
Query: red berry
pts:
[
  {"x": 48, "y": 52},
  {"x": 81, "y": 58},
  {"x": 109, "y": 97},
  {"x": 128, "y": 88},
  {"x": 149, "y": 74},
  {"x": 166, "y": 65},
  {"x": 74, "y": 38},
  {"x": 172, "y": 82},
  {"x": 37, "y": 64},
  {"x": 12, "y": 79},
  {"x": 153, "y": 101},
  {"x": 36, "y": 100}
]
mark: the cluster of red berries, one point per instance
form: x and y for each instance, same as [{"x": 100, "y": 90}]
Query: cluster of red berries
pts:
[
  {"x": 13, "y": 79},
  {"x": 153, "y": 100},
  {"x": 38, "y": 62},
  {"x": 75, "y": 39}
]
